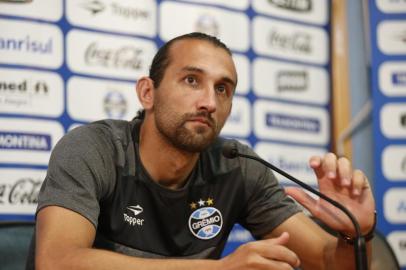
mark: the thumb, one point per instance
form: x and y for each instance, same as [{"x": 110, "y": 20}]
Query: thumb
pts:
[
  {"x": 303, "y": 198},
  {"x": 280, "y": 240}
]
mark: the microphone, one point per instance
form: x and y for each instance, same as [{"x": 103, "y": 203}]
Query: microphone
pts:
[{"x": 230, "y": 150}]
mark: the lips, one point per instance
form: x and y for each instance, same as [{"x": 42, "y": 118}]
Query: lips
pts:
[{"x": 201, "y": 120}]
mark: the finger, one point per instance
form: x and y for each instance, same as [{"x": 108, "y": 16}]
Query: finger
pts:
[
  {"x": 359, "y": 182},
  {"x": 303, "y": 198},
  {"x": 344, "y": 171},
  {"x": 329, "y": 165},
  {"x": 274, "y": 249},
  {"x": 280, "y": 240},
  {"x": 315, "y": 163}
]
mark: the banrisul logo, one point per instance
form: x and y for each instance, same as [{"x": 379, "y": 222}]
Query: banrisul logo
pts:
[
  {"x": 205, "y": 223},
  {"x": 25, "y": 141}
]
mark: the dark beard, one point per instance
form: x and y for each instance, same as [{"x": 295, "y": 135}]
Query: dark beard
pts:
[{"x": 192, "y": 141}]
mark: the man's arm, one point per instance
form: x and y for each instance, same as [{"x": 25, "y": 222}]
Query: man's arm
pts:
[
  {"x": 316, "y": 248},
  {"x": 337, "y": 180},
  {"x": 65, "y": 238}
]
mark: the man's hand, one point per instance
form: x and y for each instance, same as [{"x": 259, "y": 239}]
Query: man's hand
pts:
[
  {"x": 263, "y": 254},
  {"x": 340, "y": 182}
]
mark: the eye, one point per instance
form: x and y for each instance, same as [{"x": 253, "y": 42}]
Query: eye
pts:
[
  {"x": 191, "y": 80},
  {"x": 221, "y": 88}
]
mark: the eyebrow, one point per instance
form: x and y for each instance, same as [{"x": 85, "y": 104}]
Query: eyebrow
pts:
[{"x": 199, "y": 70}]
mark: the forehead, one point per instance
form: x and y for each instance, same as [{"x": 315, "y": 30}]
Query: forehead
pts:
[{"x": 202, "y": 54}]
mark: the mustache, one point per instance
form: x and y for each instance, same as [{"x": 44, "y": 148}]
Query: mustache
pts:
[{"x": 202, "y": 114}]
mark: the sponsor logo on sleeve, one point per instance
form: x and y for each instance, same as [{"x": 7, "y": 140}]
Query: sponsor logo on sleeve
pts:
[
  {"x": 291, "y": 82},
  {"x": 19, "y": 190},
  {"x": 205, "y": 18},
  {"x": 392, "y": 6},
  {"x": 49, "y": 10},
  {"x": 392, "y": 78},
  {"x": 394, "y": 162},
  {"x": 309, "y": 11},
  {"x": 28, "y": 141},
  {"x": 292, "y": 123},
  {"x": 206, "y": 221},
  {"x": 31, "y": 44},
  {"x": 392, "y": 37},
  {"x": 290, "y": 41},
  {"x": 125, "y": 16},
  {"x": 31, "y": 92},
  {"x": 293, "y": 159},
  {"x": 239, "y": 122},
  {"x": 397, "y": 240},
  {"x": 110, "y": 99},
  {"x": 108, "y": 55},
  {"x": 393, "y": 120},
  {"x": 395, "y": 205}
]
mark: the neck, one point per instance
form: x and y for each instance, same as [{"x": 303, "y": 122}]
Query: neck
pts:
[{"x": 166, "y": 164}]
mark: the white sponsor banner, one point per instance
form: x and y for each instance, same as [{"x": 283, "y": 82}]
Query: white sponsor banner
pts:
[
  {"x": 292, "y": 159},
  {"x": 102, "y": 99},
  {"x": 230, "y": 27},
  {"x": 125, "y": 16},
  {"x": 290, "y": 41},
  {"x": 393, "y": 120},
  {"x": 30, "y": 43},
  {"x": 293, "y": 82},
  {"x": 19, "y": 190},
  {"x": 109, "y": 55},
  {"x": 31, "y": 92},
  {"x": 394, "y": 205},
  {"x": 392, "y": 37},
  {"x": 49, "y": 10},
  {"x": 394, "y": 162},
  {"x": 28, "y": 141},
  {"x": 308, "y": 11},
  {"x": 239, "y": 122},
  {"x": 392, "y": 78},
  {"x": 242, "y": 64},
  {"x": 397, "y": 240},
  {"x": 237, "y": 4},
  {"x": 291, "y": 123},
  {"x": 391, "y": 6}
]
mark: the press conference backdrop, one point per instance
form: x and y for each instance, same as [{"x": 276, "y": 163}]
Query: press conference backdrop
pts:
[
  {"x": 66, "y": 63},
  {"x": 388, "y": 36}
]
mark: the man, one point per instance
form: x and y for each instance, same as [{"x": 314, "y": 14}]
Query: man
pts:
[{"x": 156, "y": 193}]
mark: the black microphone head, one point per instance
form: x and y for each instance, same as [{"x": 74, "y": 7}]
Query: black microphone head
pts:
[{"x": 230, "y": 149}]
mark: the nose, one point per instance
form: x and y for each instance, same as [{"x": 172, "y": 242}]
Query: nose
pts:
[{"x": 208, "y": 100}]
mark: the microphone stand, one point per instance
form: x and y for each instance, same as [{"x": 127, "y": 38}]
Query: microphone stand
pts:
[{"x": 359, "y": 244}]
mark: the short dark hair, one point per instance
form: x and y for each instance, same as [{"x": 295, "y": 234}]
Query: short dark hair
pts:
[{"x": 161, "y": 59}]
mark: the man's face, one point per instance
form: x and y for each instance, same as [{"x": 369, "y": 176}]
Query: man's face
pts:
[{"x": 194, "y": 97}]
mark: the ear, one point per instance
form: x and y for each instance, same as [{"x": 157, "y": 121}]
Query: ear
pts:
[{"x": 145, "y": 92}]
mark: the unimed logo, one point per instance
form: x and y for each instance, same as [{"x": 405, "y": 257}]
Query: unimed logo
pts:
[
  {"x": 292, "y": 122},
  {"x": 25, "y": 141}
]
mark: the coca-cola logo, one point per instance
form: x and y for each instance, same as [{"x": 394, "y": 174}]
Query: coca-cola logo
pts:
[
  {"x": 24, "y": 192},
  {"x": 297, "y": 42},
  {"x": 125, "y": 57}
]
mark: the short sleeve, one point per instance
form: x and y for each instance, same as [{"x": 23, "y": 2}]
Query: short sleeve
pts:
[
  {"x": 81, "y": 173},
  {"x": 267, "y": 204}
]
